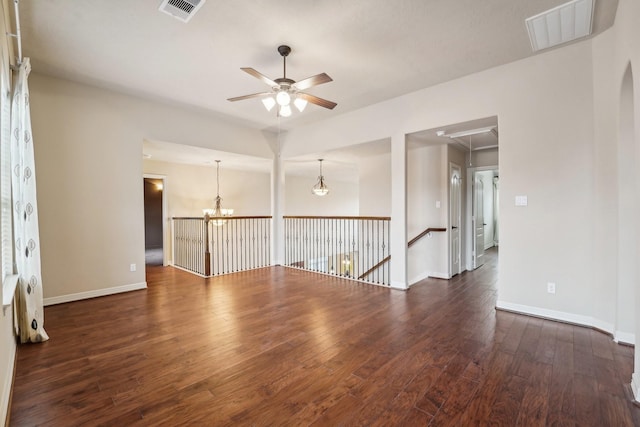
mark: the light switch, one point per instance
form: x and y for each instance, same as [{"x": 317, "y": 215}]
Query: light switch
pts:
[
  {"x": 437, "y": 204},
  {"x": 521, "y": 201}
]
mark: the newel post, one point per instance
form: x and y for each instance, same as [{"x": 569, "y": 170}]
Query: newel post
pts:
[{"x": 207, "y": 254}]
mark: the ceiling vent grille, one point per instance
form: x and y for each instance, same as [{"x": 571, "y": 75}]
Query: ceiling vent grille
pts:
[
  {"x": 181, "y": 9},
  {"x": 562, "y": 24}
]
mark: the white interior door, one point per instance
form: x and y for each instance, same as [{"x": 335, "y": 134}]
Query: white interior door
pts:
[
  {"x": 478, "y": 222},
  {"x": 455, "y": 199}
]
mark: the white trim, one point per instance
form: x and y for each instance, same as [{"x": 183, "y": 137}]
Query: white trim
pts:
[
  {"x": 6, "y": 387},
  {"x": 453, "y": 165},
  {"x": 635, "y": 386},
  {"x": 427, "y": 275},
  {"x": 95, "y": 293},
  {"x": 401, "y": 286},
  {"x": 624, "y": 337},
  {"x": 419, "y": 277},
  {"x": 468, "y": 250},
  {"x": 562, "y": 316},
  {"x": 192, "y": 272},
  {"x": 9, "y": 285}
]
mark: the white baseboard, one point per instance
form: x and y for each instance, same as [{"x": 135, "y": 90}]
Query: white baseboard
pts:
[
  {"x": 635, "y": 386},
  {"x": 418, "y": 278},
  {"x": 624, "y": 337},
  {"x": 562, "y": 316},
  {"x": 428, "y": 274},
  {"x": 93, "y": 294},
  {"x": 398, "y": 285},
  {"x": 8, "y": 381}
]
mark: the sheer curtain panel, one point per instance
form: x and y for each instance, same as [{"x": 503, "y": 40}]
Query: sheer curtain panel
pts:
[{"x": 29, "y": 306}]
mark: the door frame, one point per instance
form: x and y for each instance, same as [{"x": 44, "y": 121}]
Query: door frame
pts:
[
  {"x": 453, "y": 165},
  {"x": 165, "y": 215},
  {"x": 477, "y": 191},
  {"x": 468, "y": 221}
]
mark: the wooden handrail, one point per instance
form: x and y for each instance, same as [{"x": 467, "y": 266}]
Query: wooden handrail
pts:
[
  {"x": 411, "y": 242},
  {"x": 424, "y": 233},
  {"x": 374, "y": 268},
  {"x": 367, "y": 218},
  {"x": 224, "y": 217}
]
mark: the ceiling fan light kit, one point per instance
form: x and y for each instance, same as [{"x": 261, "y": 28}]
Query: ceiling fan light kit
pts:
[{"x": 285, "y": 90}]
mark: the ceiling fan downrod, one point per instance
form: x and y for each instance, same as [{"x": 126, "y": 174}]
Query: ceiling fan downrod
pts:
[{"x": 284, "y": 51}]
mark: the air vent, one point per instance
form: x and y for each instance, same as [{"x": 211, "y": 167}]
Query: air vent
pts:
[
  {"x": 181, "y": 9},
  {"x": 562, "y": 24}
]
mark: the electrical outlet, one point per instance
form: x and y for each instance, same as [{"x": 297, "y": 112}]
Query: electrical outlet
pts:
[
  {"x": 132, "y": 267},
  {"x": 551, "y": 288}
]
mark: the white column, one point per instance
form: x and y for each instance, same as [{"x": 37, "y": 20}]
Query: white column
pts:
[
  {"x": 399, "y": 212},
  {"x": 277, "y": 210}
]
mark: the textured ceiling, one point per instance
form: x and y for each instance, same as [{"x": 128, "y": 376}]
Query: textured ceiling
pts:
[{"x": 373, "y": 49}]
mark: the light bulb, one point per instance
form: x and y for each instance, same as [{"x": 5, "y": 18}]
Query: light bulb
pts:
[
  {"x": 285, "y": 111},
  {"x": 300, "y": 104},
  {"x": 283, "y": 98},
  {"x": 269, "y": 103}
]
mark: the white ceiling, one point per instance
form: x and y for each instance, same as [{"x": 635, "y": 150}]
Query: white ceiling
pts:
[{"x": 373, "y": 49}]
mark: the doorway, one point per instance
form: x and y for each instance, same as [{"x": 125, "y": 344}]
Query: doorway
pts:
[
  {"x": 154, "y": 230},
  {"x": 483, "y": 220}
]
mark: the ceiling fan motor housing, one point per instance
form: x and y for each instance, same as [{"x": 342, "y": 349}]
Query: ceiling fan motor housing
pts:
[{"x": 284, "y": 50}]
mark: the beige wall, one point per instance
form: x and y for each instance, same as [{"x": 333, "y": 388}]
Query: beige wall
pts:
[
  {"x": 427, "y": 170},
  {"x": 191, "y": 188},
  {"x": 618, "y": 297},
  {"x": 88, "y": 146},
  {"x": 374, "y": 184},
  {"x": 544, "y": 106},
  {"x": 342, "y": 198}
]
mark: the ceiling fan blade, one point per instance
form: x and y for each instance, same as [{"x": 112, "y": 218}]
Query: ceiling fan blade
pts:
[
  {"x": 253, "y": 95},
  {"x": 318, "y": 101},
  {"x": 260, "y": 76},
  {"x": 312, "y": 81}
]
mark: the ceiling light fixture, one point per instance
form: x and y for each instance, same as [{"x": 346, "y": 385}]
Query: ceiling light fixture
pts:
[
  {"x": 285, "y": 90},
  {"x": 217, "y": 214},
  {"x": 561, "y": 24},
  {"x": 300, "y": 104},
  {"x": 269, "y": 103},
  {"x": 285, "y": 111},
  {"x": 283, "y": 98},
  {"x": 469, "y": 132},
  {"x": 320, "y": 189}
]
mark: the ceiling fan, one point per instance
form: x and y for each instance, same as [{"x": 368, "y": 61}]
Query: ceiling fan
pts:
[{"x": 284, "y": 90}]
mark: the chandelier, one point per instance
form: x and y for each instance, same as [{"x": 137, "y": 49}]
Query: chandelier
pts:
[
  {"x": 320, "y": 189},
  {"x": 217, "y": 214}
]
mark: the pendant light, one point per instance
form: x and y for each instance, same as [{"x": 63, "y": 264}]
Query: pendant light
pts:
[
  {"x": 320, "y": 189},
  {"x": 217, "y": 214}
]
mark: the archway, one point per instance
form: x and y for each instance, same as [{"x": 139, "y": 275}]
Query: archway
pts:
[{"x": 628, "y": 294}]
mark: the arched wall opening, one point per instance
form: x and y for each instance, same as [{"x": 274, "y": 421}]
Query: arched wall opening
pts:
[
  {"x": 627, "y": 215},
  {"x": 628, "y": 284}
]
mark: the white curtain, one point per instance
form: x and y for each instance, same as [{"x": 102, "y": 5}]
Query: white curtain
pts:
[{"x": 29, "y": 307}]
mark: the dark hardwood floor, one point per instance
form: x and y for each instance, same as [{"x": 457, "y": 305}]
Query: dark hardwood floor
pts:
[{"x": 284, "y": 347}]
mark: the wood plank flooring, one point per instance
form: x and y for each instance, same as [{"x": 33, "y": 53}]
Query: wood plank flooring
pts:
[{"x": 278, "y": 346}]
